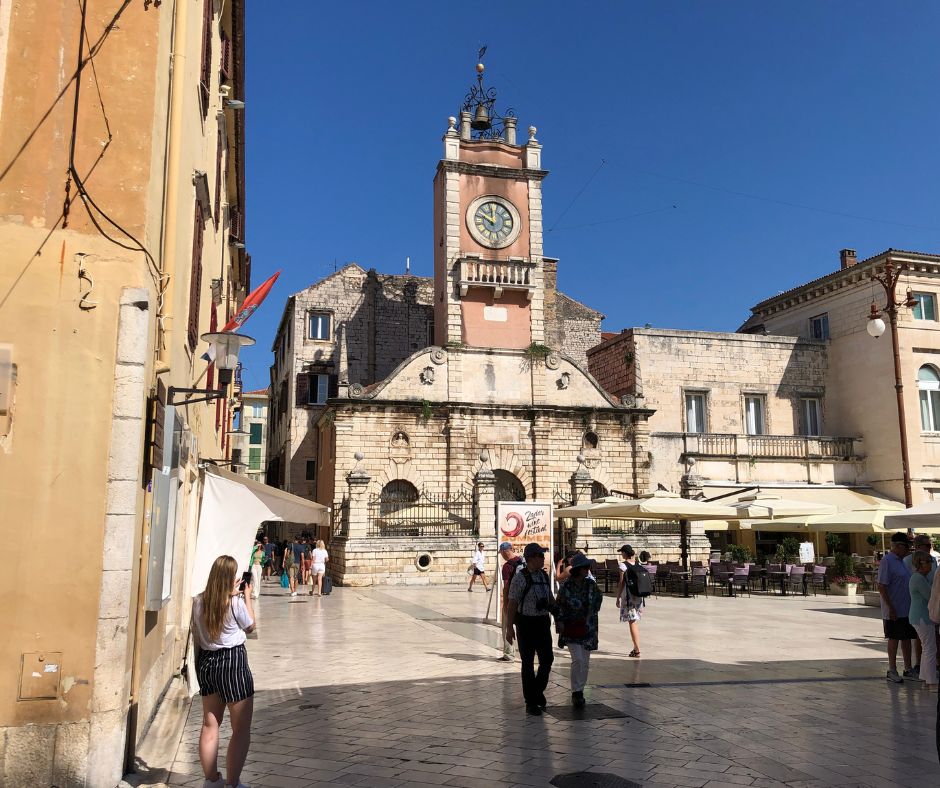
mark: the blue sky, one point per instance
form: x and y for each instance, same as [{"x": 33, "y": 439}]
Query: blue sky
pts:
[{"x": 780, "y": 132}]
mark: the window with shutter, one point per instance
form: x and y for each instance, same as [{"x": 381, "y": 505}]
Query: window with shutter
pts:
[
  {"x": 205, "y": 70},
  {"x": 195, "y": 282},
  {"x": 235, "y": 223},
  {"x": 219, "y": 150},
  {"x": 225, "y": 66},
  {"x": 303, "y": 387}
]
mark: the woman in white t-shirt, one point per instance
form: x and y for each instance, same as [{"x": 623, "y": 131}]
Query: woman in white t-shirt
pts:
[
  {"x": 318, "y": 568},
  {"x": 478, "y": 567},
  {"x": 222, "y": 615}
]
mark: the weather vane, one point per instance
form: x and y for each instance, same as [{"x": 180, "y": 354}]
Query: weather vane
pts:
[{"x": 480, "y": 102}]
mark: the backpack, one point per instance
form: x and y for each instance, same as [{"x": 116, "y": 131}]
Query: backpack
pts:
[
  {"x": 528, "y": 584},
  {"x": 638, "y": 581}
]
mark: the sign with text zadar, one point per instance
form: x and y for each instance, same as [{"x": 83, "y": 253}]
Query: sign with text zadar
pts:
[{"x": 521, "y": 523}]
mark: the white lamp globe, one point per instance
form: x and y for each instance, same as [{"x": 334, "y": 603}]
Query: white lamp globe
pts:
[{"x": 876, "y": 327}]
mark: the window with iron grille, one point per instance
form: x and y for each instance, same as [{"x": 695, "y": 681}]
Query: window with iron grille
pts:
[
  {"x": 205, "y": 70},
  {"x": 195, "y": 282}
]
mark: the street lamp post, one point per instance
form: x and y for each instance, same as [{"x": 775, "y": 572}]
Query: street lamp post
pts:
[{"x": 876, "y": 327}]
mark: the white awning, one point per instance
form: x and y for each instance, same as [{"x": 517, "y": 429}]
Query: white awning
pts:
[{"x": 233, "y": 508}]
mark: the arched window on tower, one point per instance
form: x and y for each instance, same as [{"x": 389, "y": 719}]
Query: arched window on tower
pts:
[
  {"x": 590, "y": 440},
  {"x": 928, "y": 384}
]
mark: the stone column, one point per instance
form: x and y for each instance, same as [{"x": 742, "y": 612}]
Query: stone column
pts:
[
  {"x": 357, "y": 481},
  {"x": 510, "y": 125},
  {"x": 581, "y": 483},
  {"x": 485, "y": 487}
]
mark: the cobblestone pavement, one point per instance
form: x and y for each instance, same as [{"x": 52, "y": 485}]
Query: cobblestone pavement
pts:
[{"x": 400, "y": 686}]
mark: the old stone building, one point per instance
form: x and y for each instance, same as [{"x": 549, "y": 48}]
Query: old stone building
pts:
[
  {"x": 860, "y": 380},
  {"x": 413, "y": 405}
]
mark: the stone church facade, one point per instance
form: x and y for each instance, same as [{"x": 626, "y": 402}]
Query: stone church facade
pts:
[{"x": 412, "y": 405}]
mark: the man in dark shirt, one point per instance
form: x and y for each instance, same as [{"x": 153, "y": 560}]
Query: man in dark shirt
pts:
[
  {"x": 530, "y": 600},
  {"x": 511, "y": 564}
]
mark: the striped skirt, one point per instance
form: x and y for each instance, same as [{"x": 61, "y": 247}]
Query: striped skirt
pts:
[{"x": 225, "y": 673}]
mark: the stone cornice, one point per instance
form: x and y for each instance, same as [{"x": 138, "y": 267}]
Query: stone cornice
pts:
[
  {"x": 490, "y": 170},
  {"x": 358, "y": 405},
  {"x": 919, "y": 262}
]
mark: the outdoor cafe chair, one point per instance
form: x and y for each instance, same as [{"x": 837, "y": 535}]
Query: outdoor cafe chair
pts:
[
  {"x": 611, "y": 572},
  {"x": 818, "y": 579},
  {"x": 721, "y": 580},
  {"x": 741, "y": 579},
  {"x": 796, "y": 579},
  {"x": 698, "y": 584}
]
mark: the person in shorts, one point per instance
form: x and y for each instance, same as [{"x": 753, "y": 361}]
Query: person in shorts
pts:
[
  {"x": 894, "y": 579},
  {"x": 222, "y": 617},
  {"x": 478, "y": 567},
  {"x": 511, "y": 564},
  {"x": 630, "y": 607}
]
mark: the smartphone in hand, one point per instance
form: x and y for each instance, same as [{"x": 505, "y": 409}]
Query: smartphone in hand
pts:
[{"x": 246, "y": 581}]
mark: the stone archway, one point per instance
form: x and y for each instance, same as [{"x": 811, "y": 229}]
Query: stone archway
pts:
[{"x": 508, "y": 486}]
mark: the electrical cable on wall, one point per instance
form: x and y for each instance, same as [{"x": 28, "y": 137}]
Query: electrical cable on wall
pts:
[
  {"x": 84, "y": 302},
  {"x": 161, "y": 279}
]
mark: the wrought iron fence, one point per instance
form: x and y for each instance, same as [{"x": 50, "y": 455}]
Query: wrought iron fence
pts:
[
  {"x": 425, "y": 516},
  {"x": 611, "y": 527},
  {"x": 340, "y": 517},
  {"x": 562, "y": 498}
]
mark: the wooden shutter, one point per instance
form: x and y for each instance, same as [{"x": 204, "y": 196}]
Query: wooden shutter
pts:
[
  {"x": 225, "y": 66},
  {"x": 205, "y": 70},
  {"x": 195, "y": 282},
  {"x": 303, "y": 389},
  {"x": 219, "y": 150},
  {"x": 235, "y": 229}
]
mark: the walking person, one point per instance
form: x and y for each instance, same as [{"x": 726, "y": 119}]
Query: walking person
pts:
[
  {"x": 290, "y": 566},
  {"x": 222, "y": 616},
  {"x": 894, "y": 587},
  {"x": 921, "y": 544},
  {"x": 257, "y": 556},
  {"x": 268, "y": 563},
  {"x": 919, "y": 587},
  {"x": 579, "y": 600},
  {"x": 478, "y": 567},
  {"x": 628, "y": 601},
  {"x": 529, "y": 619},
  {"x": 511, "y": 564},
  {"x": 319, "y": 557}
]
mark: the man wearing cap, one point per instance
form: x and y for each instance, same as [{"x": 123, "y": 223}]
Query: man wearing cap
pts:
[
  {"x": 528, "y": 618},
  {"x": 893, "y": 586},
  {"x": 511, "y": 564}
]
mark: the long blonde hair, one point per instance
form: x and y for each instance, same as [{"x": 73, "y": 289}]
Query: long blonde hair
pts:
[
  {"x": 217, "y": 597},
  {"x": 320, "y": 545}
]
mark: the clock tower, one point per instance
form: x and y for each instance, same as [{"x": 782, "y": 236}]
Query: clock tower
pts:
[{"x": 488, "y": 267}]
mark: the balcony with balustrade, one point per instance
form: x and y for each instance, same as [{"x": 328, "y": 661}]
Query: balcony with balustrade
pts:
[
  {"x": 776, "y": 447},
  {"x": 516, "y": 273}
]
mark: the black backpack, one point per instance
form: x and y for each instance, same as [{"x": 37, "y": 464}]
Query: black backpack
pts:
[{"x": 638, "y": 581}]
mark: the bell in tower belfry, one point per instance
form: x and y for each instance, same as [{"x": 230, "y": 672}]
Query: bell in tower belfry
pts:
[{"x": 481, "y": 119}]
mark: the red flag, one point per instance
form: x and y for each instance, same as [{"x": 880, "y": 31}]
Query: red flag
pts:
[{"x": 250, "y": 304}]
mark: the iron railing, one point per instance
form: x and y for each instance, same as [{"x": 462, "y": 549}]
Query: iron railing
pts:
[
  {"x": 706, "y": 444},
  {"x": 611, "y": 527},
  {"x": 340, "y": 518},
  {"x": 426, "y": 516}
]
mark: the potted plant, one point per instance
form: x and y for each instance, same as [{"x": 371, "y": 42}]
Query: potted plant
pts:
[
  {"x": 844, "y": 579},
  {"x": 788, "y": 550},
  {"x": 832, "y": 542},
  {"x": 739, "y": 553}
]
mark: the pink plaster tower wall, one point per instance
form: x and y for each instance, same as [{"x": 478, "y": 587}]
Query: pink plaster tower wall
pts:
[{"x": 477, "y": 159}]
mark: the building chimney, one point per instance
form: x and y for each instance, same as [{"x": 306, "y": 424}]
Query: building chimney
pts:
[{"x": 847, "y": 258}]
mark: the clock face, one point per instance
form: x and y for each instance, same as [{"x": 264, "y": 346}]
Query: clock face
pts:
[{"x": 493, "y": 222}]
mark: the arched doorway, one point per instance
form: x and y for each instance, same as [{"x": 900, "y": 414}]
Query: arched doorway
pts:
[
  {"x": 395, "y": 495},
  {"x": 508, "y": 486}
]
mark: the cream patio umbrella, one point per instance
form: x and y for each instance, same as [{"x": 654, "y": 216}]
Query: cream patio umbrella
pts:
[
  {"x": 590, "y": 509},
  {"x": 772, "y": 506},
  {"x": 924, "y": 518},
  {"x": 660, "y": 505}
]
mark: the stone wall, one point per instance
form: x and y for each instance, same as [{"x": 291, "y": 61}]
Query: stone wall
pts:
[{"x": 611, "y": 364}]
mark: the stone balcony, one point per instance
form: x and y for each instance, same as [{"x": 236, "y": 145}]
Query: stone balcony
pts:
[
  {"x": 775, "y": 447},
  {"x": 516, "y": 273}
]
